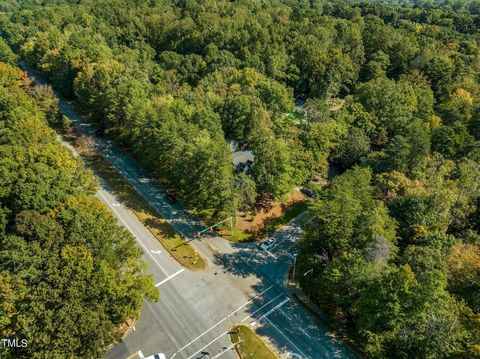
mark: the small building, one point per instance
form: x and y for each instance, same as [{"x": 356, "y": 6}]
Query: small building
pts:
[
  {"x": 242, "y": 158},
  {"x": 243, "y": 161}
]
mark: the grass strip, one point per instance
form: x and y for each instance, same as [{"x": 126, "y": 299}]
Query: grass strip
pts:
[
  {"x": 177, "y": 246},
  {"x": 168, "y": 237},
  {"x": 237, "y": 236},
  {"x": 249, "y": 344}
]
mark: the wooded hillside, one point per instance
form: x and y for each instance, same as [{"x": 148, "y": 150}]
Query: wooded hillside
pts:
[
  {"x": 388, "y": 105},
  {"x": 69, "y": 275}
]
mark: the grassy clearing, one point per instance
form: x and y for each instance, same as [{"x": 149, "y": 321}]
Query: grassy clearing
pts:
[
  {"x": 250, "y": 346},
  {"x": 177, "y": 246},
  {"x": 296, "y": 118},
  {"x": 238, "y": 235}
]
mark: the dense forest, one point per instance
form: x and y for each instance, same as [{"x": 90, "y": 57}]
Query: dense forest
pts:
[
  {"x": 391, "y": 107},
  {"x": 69, "y": 275}
]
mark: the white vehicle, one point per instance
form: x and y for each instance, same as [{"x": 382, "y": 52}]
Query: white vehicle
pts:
[
  {"x": 157, "y": 356},
  {"x": 266, "y": 245},
  {"x": 153, "y": 356}
]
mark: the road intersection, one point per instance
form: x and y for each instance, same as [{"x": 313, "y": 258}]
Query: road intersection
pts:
[{"x": 196, "y": 310}]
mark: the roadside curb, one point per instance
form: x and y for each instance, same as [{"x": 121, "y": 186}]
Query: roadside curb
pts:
[
  {"x": 334, "y": 328},
  {"x": 129, "y": 329},
  {"x": 265, "y": 341},
  {"x": 302, "y": 299}
]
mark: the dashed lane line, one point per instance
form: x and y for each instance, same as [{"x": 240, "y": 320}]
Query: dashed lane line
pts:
[
  {"x": 126, "y": 225},
  {"x": 304, "y": 332},
  {"x": 285, "y": 314}
]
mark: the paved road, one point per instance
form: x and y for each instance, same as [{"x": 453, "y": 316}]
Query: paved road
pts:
[{"x": 196, "y": 309}]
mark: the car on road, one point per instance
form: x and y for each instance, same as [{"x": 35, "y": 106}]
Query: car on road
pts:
[
  {"x": 157, "y": 356},
  {"x": 266, "y": 245},
  {"x": 139, "y": 355}
]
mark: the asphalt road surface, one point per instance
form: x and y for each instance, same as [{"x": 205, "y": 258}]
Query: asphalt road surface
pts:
[{"x": 196, "y": 310}]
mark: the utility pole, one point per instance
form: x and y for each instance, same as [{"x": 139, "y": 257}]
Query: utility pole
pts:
[
  {"x": 294, "y": 263},
  {"x": 216, "y": 225}
]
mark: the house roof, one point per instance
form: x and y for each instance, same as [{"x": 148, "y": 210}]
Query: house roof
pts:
[{"x": 242, "y": 156}]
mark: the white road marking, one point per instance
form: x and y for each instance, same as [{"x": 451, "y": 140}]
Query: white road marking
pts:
[
  {"x": 155, "y": 252},
  {"x": 153, "y": 192},
  {"x": 273, "y": 309},
  {"x": 126, "y": 225},
  {"x": 248, "y": 316},
  {"x": 221, "y": 321},
  {"x": 214, "y": 340},
  {"x": 285, "y": 314},
  {"x": 273, "y": 325},
  {"x": 226, "y": 350},
  {"x": 116, "y": 204},
  {"x": 293, "y": 355},
  {"x": 169, "y": 277},
  {"x": 304, "y": 332}
]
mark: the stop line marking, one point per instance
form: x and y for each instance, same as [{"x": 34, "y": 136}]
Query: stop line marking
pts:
[{"x": 169, "y": 277}]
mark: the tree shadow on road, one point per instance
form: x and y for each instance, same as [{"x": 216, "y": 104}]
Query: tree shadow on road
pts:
[{"x": 276, "y": 316}]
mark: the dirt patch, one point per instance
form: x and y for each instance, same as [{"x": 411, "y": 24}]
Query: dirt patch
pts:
[{"x": 256, "y": 222}]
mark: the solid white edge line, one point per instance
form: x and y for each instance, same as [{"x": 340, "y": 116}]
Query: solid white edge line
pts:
[
  {"x": 213, "y": 341},
  {"x": 169, "y": 277},
  {"x": 273, "y": 309},
  {"x": 225, "y": 351},
  {"x": 285, "y": 314},
  {"x": 285, "y": 337},
  {"x": 304, "y": 332},
  {"x": 248, "y": 316},
  {"x": 131, "y": 231}
]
